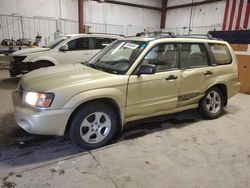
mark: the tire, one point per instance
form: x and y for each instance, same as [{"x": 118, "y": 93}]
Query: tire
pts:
[
  {"x": 93, "y": 126},
  {"x": 211, "y": 105}
]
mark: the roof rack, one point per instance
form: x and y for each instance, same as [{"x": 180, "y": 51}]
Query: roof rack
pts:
[
  {"x": 206, "y": 36},
  {"x": 160, "y": 34},
  {"x": 156, "y": 34},
  {"x": 105, "y": 34}
]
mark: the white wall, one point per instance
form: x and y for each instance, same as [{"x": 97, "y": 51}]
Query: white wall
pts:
[
  {"x": 103, "y": 17},
  {"x": 112, "y": 18},
  {"x": 130, "y": 19},
  {"x": 204, "y": 17},
  {"x": 27, "y": 18},
  {"x": 45, "y": 8}
]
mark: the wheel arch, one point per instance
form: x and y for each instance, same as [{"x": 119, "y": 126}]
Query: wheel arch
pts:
[
  {"x": 45, "y": 61},
  {"x": 223, "y": 89},
  {"x": 45, "y": 58},
  {"x": 108, "y": 101}
]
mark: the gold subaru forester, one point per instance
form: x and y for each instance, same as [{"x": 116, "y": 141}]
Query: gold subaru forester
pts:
[{"x": 131, "y": 79}]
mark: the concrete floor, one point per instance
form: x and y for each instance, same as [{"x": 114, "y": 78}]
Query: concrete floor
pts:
[{"x": 180, "y": 150}]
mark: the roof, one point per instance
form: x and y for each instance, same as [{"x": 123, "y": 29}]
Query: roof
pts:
[
  {"x": 145, "y": 39},
  {"x": 176, "y": 38},
  {"x": 95, "y": 35}
]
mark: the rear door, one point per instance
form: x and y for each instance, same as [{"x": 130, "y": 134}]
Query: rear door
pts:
[
  {"x": 98, "y": 43},
  {"x": 196, "y": 73}
]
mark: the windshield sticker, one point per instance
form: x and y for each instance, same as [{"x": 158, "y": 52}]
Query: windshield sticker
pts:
[{"x": 131, "y": 45}]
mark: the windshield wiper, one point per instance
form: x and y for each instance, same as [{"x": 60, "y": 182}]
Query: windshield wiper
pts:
[
  {"x": 92, "y": 65},
  {"x": 110, "y": 71},
  {"x": 84, "y": 63},
  {"x": 95, "y": 66}
]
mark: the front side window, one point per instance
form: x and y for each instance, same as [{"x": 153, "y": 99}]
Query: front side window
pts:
[
  {"x": 79, "y": 44},
  {"x": 100, "y": 43},
  {"x": 163, "y": 56},
  {"x": 221, "y": 54},
  {"x": 193, "y": 55},
  {"x": 56, "y": 42},
  {"x": 118, "y": 57}
]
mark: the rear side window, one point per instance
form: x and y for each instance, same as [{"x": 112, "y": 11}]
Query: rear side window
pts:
[
  {"x": 193, "y": 55},
  {"x": 221, "y": 54},
  {"x": 100, "y": 43}
]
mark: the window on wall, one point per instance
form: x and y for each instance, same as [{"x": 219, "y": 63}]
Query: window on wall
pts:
[
  {"x": 100, "y": 43},
  {"x": 79, "y": 44},
  {"x": 193, "y": 55},
  {"x": 163, "y": 56},
  {"x": 221, "y": 54}
]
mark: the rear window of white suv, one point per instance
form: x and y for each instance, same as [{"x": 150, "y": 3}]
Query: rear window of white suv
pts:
[{"x": 221, "y": 54}]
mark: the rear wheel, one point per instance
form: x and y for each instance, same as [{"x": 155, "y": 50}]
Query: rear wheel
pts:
[
  {"x": 93, "y": 126},
  {"x": 211, "y": 105}
]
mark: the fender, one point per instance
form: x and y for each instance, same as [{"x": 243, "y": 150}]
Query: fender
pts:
[
  {"x": 45, "y": 58},
  {"x": 115, "y": 94},
  {"x": 50, "y": 55}
]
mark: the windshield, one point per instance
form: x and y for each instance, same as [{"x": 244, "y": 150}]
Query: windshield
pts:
[
  {"x": 118, "y": 57},
  {"x": 56, "y": 42}
]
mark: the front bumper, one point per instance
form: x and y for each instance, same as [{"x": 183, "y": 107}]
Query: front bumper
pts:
[{"x": 48, "y": 122}]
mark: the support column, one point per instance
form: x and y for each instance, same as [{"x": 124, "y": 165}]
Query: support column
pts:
[
  {"x": 80, "y": 15},
  {"x": 163, "y": 13}
]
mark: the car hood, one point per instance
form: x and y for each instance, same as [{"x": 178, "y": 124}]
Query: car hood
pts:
[
  {"x": 29, "y": 50},
  {"x": 49, "y": 78}
]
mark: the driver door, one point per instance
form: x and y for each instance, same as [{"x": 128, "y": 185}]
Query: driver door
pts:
[
  {"x": 155, "y": 94},
  {"x": 78, "y": 51}
]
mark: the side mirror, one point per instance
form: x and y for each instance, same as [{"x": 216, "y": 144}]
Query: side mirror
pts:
[
  {"x": 146, "y": 69},
  {"x": 64, "y": 47}
]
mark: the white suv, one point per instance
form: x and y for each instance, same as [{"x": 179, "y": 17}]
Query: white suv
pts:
[{"x": 68, "y": 49}]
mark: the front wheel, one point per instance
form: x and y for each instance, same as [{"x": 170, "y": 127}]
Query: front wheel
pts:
[
  {"x": 211, "y": 105},
  {"x": 93, "y": 126}
]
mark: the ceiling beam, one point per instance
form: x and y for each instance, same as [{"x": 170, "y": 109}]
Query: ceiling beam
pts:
[
  {"x": 193, "y": 4},
  {"x": 156, "y": 8},
  {"x": 128, "y": 4}
]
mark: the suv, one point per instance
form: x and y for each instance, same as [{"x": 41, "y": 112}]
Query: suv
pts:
[
  {"x": 67, "y": 49},
  {"x": 131, "y": 79}
]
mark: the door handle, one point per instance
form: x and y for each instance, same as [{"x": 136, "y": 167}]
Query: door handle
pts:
[
  {"x": 171, "y": 77},
  {"x": 208, "y": 73}
]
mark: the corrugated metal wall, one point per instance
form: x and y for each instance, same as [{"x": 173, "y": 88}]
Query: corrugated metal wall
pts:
[{"x": 19, "y": 27}]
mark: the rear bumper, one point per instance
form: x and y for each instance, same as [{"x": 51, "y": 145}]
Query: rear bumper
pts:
[
  {"x": 233, "y": 89},
  {"x": 49, "y": 122}
]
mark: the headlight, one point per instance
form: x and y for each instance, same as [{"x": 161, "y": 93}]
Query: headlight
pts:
[{"x": 41, "y": 100}]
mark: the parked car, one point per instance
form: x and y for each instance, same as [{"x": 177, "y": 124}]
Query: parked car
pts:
[
  {"x": 131, "y": 79},
  {"x": 67, "y": 49}
]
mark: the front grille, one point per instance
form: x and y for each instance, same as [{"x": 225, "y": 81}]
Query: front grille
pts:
[{"x": 17, "y": 66}]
